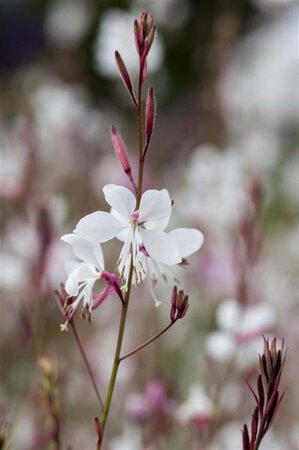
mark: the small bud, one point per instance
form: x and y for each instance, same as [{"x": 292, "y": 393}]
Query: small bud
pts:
[
  {"x": 150, "y": 110},
  {"x": 125, "y": 76},
  {"x": 149, "y": 40},
  {"x": 144, "y": 31},
  {"x": 138, "y": 37},
  {"x": 98, "y": 427},
  {"x": 179, "y": 304},
  {"x": 246, "y": 445},
  {"x": 120, "y": 150}
]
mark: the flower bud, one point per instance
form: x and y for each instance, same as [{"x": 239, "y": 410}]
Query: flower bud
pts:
[
  {"x": 144, "y": 31},
  {"x": 120, "y": 150},
  {"x": 125, "y": 76},
  {"x": 179, "y": 304},
  {"x": 98, "y": 427},
  {"x": 150, "y": 110},
  {"x": 267, "y": 397}
]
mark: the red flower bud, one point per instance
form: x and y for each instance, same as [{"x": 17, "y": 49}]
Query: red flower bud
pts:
[
  {"x": 98, "y": 427},
  {"x": 179, "y": 304},
  {"x": 125, "y": 76},
  {"x": 150, "y": 110},
  {"x": 144, "y": 31},
  {"x": 120, "y": 150}
]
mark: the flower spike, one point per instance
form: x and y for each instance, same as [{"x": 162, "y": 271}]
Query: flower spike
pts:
[{"x": 267, "y": 397}]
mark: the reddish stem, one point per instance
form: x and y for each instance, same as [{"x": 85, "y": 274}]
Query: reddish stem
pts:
[{"x": 149, "y": 341}]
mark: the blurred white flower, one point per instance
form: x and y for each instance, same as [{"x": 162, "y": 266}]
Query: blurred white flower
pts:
[
  {"x": 215, "y": 193},
  {"x": 246, "y": 321},
  {"x": 259, "y": 87},
  {"x": 58, "y": 107},
  {"x": 13, "y": 272},
  {"x": 198, "y": 405},
  {"x": 115, "y": 33},
  {"x": 260, "y": 150},
  {"x": 240, "y": 330},
  {"x": 130, "y": 440},
  {"x": 66, "y": 126},
  {"x": 67, "y": 21}
]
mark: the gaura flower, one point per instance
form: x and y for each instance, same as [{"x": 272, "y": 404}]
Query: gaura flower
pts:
[
  {"x": 188, "y": 241},
  {"x": 142, "y": 230},
  {"x": 82, "y": 275}
]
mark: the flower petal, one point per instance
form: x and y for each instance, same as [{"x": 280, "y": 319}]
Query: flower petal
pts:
[
  {"x": 120, "y": 198},
  {"x": 82, "y": 272},
  {"x": 188, "y": 240},
  {"x": 70, "y": 266},
  {"x": 160, "y": 246},
  {"x": 157, "y": 224},
  {"x": 87, "y": 251},
  {"x": 99, "y": 226},
  {"x": 154, "y": 205},
  {"x": 72, "y": 283}
]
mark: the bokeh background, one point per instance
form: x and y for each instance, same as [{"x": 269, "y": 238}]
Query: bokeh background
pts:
[{"x": 226, "y": 147}]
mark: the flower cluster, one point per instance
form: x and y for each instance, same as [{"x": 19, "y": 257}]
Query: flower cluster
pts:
[
  {"x": 137, "y": 219},
  {"x": 152, "y": 250}
]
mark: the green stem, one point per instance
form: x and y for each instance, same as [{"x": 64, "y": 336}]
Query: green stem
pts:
[
  {"x": 123, "y": 317},
  {"x": 117, "y": 354}
]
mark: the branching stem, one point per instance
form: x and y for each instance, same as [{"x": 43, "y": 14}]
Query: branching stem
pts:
[{"x": 146, "y": 343}]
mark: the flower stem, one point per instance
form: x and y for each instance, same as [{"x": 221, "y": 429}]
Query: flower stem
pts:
[
  {"x": 149, "y": 341},
  {"x": 117, "y": 354},
  {"x": 89, "y": 370},
  {"x": 140, "y": 140},
  {"x": 125, "y": 305}
]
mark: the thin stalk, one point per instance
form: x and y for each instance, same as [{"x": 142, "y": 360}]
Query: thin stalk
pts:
[
  {"x": 89, "y": 370},
  {"x": 117, "y": 354},
  {"x": 125, "y": 305},
  {"x": 149, "y": 341},
  {"x": 140, "y": 140}
]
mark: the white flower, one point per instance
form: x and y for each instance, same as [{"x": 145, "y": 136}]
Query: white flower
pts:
[
  {"x": 215, "y": 190},
  {"x": 188, "y": 241},
  {"x": 240, "y": 330},
  {"x": 82, "y": 275},
  {"x": 141, "y": 230},
  {"x": 198, "y": 405}
]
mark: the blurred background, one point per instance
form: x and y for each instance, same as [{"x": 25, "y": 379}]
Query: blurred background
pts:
[{"x": 226, "y": 147}]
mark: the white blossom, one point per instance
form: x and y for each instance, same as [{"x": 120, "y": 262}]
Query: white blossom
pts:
[
  {"x": 142, "y": 231},
  {"x": 81, "y": 276}
]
